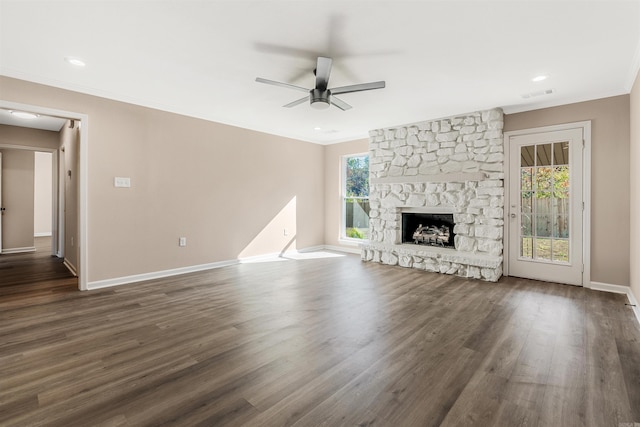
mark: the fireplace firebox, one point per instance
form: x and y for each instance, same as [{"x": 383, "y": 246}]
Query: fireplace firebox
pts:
[{"x": 431, "y": 229}]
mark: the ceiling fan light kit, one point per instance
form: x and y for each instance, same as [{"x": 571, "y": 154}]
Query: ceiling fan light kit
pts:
[
  {"x": 321, "y": 97},
  {"x": 319, "y": 100}
]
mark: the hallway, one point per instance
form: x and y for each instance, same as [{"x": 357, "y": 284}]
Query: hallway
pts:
[{"x": 37, "y": 273}]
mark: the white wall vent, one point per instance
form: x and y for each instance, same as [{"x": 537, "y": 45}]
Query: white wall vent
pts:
[{"x": 538, "y": 93}]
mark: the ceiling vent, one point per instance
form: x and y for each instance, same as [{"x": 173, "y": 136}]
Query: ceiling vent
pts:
[{"x": 538, "y": 93}]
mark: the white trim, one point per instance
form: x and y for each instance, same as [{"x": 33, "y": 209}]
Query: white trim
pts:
[
  {"x": 70, "y": 267},
  {"x": 351, "y": 241},
  {"x": 83, "y": 192},
  {"x": 586, "y": 189},
  {"x": 634, "y": 303},
  {"x": 345, "y": 249},
  {"x": 45, "y": 234},
  {"x": 619, "y": 289},
  {"x": 311, "y": 249},
  {"x": 54, "y": 203},
  {"x": 98, "y": 284},
  {"x": 586, "y": 198},
  {"x": 26, "y": 249}
]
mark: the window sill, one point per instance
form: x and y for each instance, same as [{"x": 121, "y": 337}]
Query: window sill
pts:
[{"x": 352, "y": 242}]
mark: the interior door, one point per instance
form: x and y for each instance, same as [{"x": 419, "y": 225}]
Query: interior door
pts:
[{"x": 546, "y": 206}]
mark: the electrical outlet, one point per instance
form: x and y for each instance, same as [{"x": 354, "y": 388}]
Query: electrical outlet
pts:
[
  {"x": 182, "y": 241},
  {"x": 286, "y": 232}
]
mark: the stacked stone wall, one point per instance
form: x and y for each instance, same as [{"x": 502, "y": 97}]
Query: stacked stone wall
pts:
[{"x": 454, "y": 164}]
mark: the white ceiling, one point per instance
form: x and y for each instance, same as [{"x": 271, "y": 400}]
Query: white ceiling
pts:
[
  {"x": 41, "y": 122},
  {"x": 439, "y": 58}
]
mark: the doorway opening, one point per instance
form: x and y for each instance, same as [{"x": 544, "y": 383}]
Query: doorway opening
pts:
[
  {"x": 69, "y": 169},
  {"x": 547, "y": 218}
]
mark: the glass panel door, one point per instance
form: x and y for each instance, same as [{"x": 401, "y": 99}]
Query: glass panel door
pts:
[
  {"x": 545, "y": 206},
  {"x": 545, "y": 188}
]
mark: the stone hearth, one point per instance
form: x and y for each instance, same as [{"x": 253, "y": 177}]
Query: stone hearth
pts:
[{"x": 453, "y": 165}]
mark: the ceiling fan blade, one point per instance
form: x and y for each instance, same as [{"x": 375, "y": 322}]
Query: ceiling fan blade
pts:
[
  {"x": 275, "y": 83},
  {"x": 296, "y": 102},
  {"x": 340, "y": 103},
  {"x": 323, "y": 69},
  {"x": 358, "y": 88}
]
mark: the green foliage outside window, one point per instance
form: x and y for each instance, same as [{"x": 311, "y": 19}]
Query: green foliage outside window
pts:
[
  {"x": 357, "y": 183},
  {"x": 356, "y": 197}
]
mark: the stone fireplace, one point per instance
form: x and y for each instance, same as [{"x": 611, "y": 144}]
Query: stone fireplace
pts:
[
  {"x": 447, "y": 175},
  {"x": 430, "y": 229}
]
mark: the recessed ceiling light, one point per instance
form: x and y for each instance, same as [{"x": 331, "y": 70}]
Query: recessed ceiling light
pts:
[
  {"x": 24, "y": 115},
  {"x": 539, "y": 78},
  {"x": 317, "y": 128},
  {"x": 75, "y": 61}
]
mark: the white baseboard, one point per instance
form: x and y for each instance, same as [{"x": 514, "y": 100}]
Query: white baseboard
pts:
[
  {"x": 345, "y": 249},
  {"x": 98, "y": 284},
  {"x": 70, "y": 267},
  {"x": 45, "y": 234},
  {"x": 19, "y": 250},
  {"x": 619, "y": 289},
  {"x": 106, "y": 283},
  {"x": 312, "y": 249}
]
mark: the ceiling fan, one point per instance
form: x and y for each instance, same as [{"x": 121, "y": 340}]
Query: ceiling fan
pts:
[{"x": 321, "y": 97}]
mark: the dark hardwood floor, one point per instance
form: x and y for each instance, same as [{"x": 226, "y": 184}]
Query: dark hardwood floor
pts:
[
  {"x": 330, "y": 341},
  {"x": 34, "y": 274}
]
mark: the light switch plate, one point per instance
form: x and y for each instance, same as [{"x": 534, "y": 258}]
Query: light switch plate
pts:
[{"x": 123, "y": 182}]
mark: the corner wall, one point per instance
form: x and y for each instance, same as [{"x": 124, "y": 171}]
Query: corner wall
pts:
[{"x": 610, "y": 177}]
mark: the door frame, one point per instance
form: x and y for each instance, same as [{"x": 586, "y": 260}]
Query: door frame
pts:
[
  {"x": 585, "y": 126},
  {"x": 83, "y": 119}
]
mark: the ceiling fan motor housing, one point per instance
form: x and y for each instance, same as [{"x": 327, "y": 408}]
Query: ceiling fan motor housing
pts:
[{"x": 320, "y": 99}]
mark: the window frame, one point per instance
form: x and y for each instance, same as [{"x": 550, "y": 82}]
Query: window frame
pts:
[{"x": 343, "y": 238}]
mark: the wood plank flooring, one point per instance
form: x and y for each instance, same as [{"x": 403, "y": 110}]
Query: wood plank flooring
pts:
[{"x": 328, "y": 341}]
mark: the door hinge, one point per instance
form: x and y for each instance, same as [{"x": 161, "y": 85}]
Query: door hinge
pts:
[
  {"x": 583, "y": 268},
  {"x": 583, "y": 206}
]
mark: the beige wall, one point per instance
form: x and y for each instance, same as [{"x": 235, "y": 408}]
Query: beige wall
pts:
[
  {"x": 13, "y": 135},
  {"x": 634, "y": 160},
  {"x": 610, "y": 177},
  {"x": 229, "y": 191},
  {"x": 332, "y": 192},
  {"x": 42, "y": 194},
  {"x": 17, "y": 199},
  {"x": 232, "y": 191},
  {"x": 69, "y": 174}
]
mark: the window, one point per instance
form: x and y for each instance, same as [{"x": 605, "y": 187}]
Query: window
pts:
[{"x": 355, "y": 197}]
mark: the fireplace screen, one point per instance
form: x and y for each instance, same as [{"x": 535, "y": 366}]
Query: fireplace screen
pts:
[{"x": 428, "y": 229}]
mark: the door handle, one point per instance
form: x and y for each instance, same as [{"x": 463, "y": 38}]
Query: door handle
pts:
[{"x": 513, "y": 215}]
